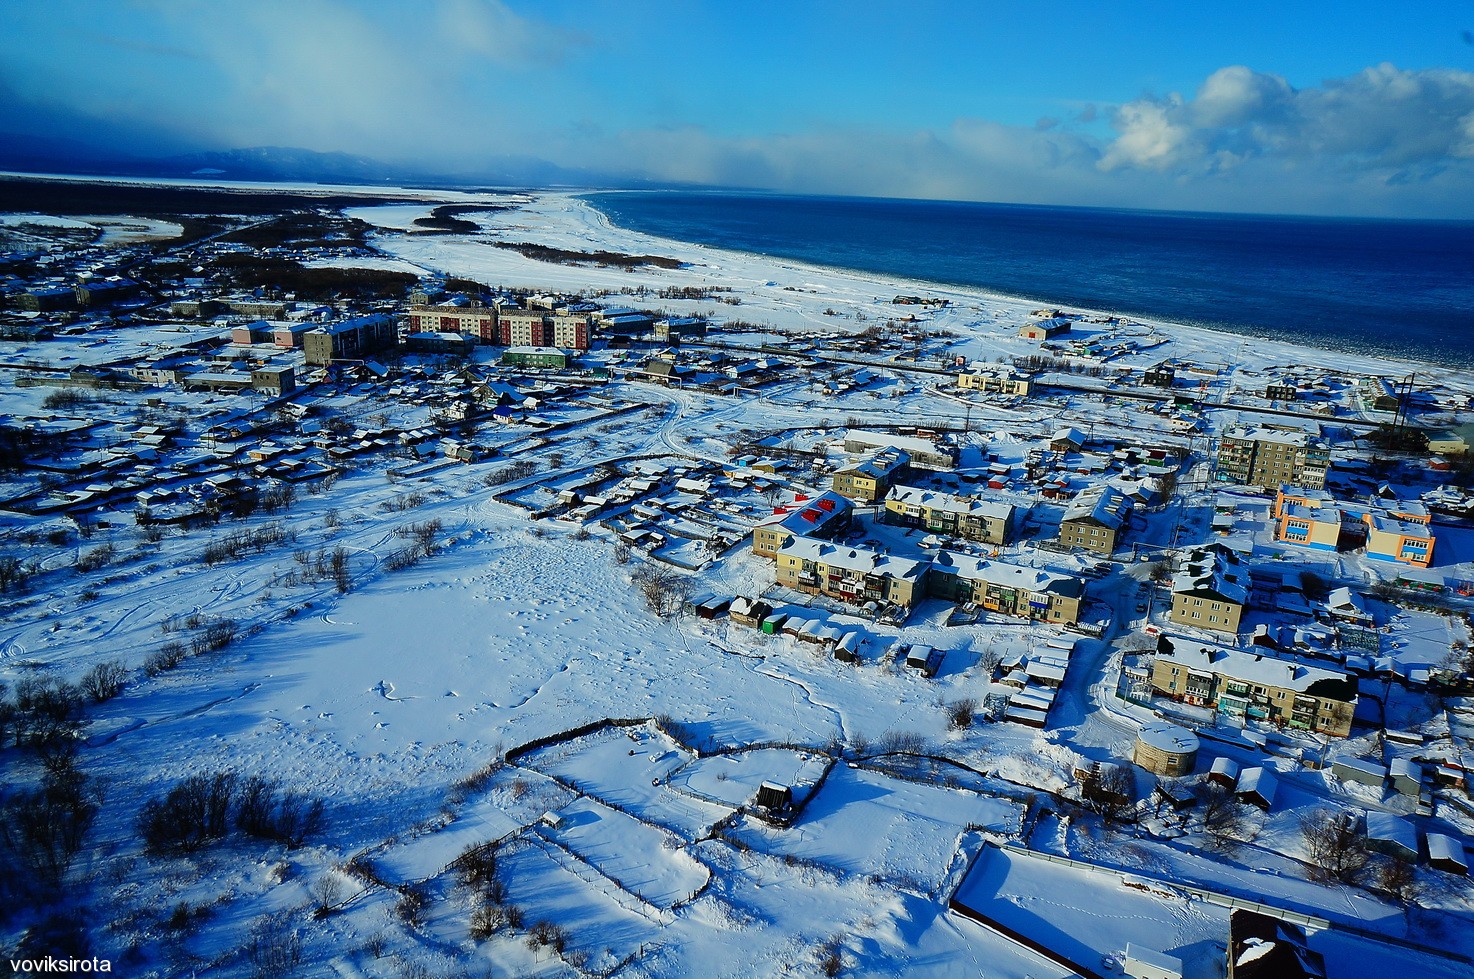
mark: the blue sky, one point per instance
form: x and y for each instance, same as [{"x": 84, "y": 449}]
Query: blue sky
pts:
[{"x": 1340, "y": 108}]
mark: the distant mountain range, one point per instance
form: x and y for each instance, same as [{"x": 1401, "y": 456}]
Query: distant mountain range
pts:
[{"x": 32, "y": 154}]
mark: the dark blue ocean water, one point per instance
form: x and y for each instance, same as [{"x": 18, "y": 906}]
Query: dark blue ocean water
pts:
[{"x": 1399, "y": 288}]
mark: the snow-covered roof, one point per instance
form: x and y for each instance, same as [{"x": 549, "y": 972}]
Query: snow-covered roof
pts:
[
  {"x": 972, "y": 568},
  {"x": 1252, "y": 667},
  {"x": 1101, "y": 505},
  {"x": 950, "y": 502},
  {"x": 852, "y": 558}
]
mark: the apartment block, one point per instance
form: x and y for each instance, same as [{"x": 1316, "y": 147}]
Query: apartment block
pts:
[
  {"x": 872, "y": 476},
  {"x": 1268, "y": 457},
  {"x": 1252, "y": 685},
  {"x": 349, "y": 340},
  {"x": 824, "y": 518},
  {"x": 851, "y": 574},
  {"x": 988, "y": 521},
  {"x": 1211, "y": 591},
  {"x": 1095, "y": 520},
  {"x": 1028, "y": 593}
]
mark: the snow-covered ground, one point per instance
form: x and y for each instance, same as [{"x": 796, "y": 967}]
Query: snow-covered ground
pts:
[{"x": 429, "y": 706}]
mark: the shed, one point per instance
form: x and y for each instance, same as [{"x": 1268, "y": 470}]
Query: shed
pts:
[
  {"x": 713, "y": 607},
  {"x": 917, "y": 656},
  {"x": 847, "y": 650},
  {"x": 1257, "y": 786},
  {"x": 1391, "y": 835},
  {"x": 1447, "y": 854},
  {"x": 1407, "y": 776},
  {"x": 1147, "y": 963},
  {"x": 773, "y": 624},
  {"x": 748, "y": 611},
  {"x": 1360, "y": 770},
  {"x": 774, "y": 797},
  {"x": 1225, "y": 772}
]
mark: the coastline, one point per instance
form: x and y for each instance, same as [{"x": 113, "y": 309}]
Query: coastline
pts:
[
  {"x": 1287, "y": 352},
  {"x": 1136, "y": 312}
]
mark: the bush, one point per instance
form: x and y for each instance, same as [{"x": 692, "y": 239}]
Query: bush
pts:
[
  {"x": 192, "y": 814},
  {"x": 105, "y": 681},
  {"x": 960, "y": 714},
  {"x": 42, "y": 831},
  {"x": 274, "y": 948},
  {"x": 165, "y": 658},
  {"x": 547, "y": 934}
]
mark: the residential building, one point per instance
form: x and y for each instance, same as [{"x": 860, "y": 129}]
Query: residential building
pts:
[
  {"x": 1163, "y": 375},
  {"x": 1282, "y": 389},
  {"x": 996, "y": 381},
  {"x": 532, "y": 356},
  {"x": 1264, "y": 947},
  {"x": 460, "y": 315},
  {"x": 988, "y": 521},
  {"x": 1095, "y": 520},
  {"x": 1045, "y": 329},
  {"x": 1245, "y": 684},
  {"x": 924, "y": 453},
  {"x": 100, "y": 292},
  {"x": 1210, "y": 591},
  {"x": 349, "y": 340},
  {"x": 824, "y": 518},
  {"x": 1267, "y": 457},
  {"x": 46, "y": 299},
  {"x": 672, "y": 329},
  {"x": 871, "y": 477},
  {"x": 851, "y": 574},
  {"x": 1029, "y": 593}
]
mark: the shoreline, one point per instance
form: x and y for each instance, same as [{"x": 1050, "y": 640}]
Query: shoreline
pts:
[
  {"x": 1245, "y": 331},
  {"x": 1401, "y": 366}
]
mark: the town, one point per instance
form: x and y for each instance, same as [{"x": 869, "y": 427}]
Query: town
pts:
[{"x": 569, "y": 601}]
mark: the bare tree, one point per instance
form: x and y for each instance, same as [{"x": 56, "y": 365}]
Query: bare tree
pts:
[
  {"x": 1335, "y": 848},
  {"x": 1226, "y": 821},
  {"x": 1109, "y": 790}
]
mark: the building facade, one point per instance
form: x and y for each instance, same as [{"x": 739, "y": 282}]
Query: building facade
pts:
[
  {"x": 1210, "y": 592},
  {"x": 988, "y": 521},
  {"x": 1095, "y": 520},
  {"x": 1268, "y": 457},
  {"x": 1251, "y": 685}
]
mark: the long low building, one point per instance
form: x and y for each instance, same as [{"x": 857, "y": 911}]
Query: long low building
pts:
[
  {"x": 851, "y": 574},
  {"x": 1255, "y": 686},
  {"x": 989, "y": 521},
  {"x": 1029, "y": 593}
]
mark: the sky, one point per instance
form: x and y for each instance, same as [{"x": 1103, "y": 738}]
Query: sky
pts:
[{"x": 1354, "y": 108}]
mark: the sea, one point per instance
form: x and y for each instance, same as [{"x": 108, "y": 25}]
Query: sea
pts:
[{"x": 1403, "y": 289}]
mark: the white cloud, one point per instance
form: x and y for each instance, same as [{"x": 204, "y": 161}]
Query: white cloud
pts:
[{"x": 1385, "y": 121}]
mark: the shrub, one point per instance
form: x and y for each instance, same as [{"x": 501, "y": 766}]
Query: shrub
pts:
[
  {"x": 105, "y": 681},
  {"x": 165, "y": 658},
  {"x": 960, "y": 714},
  {"x": 547, "y": 934},
  {"x": 190, "y": 815},
  {"x": 274, "y": 948},
  {"x": 42, "y": 831}
]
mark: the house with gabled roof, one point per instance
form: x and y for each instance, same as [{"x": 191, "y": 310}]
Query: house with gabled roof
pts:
[
  {"x": 1211, "y": 591},
  {"x": 1095, "y": 520},
  {"x": 825, "y": 517},
  {"x": 989, "y": 521}
]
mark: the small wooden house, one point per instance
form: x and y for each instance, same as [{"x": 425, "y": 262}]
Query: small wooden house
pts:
[{"x": 774, "y": 797}]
